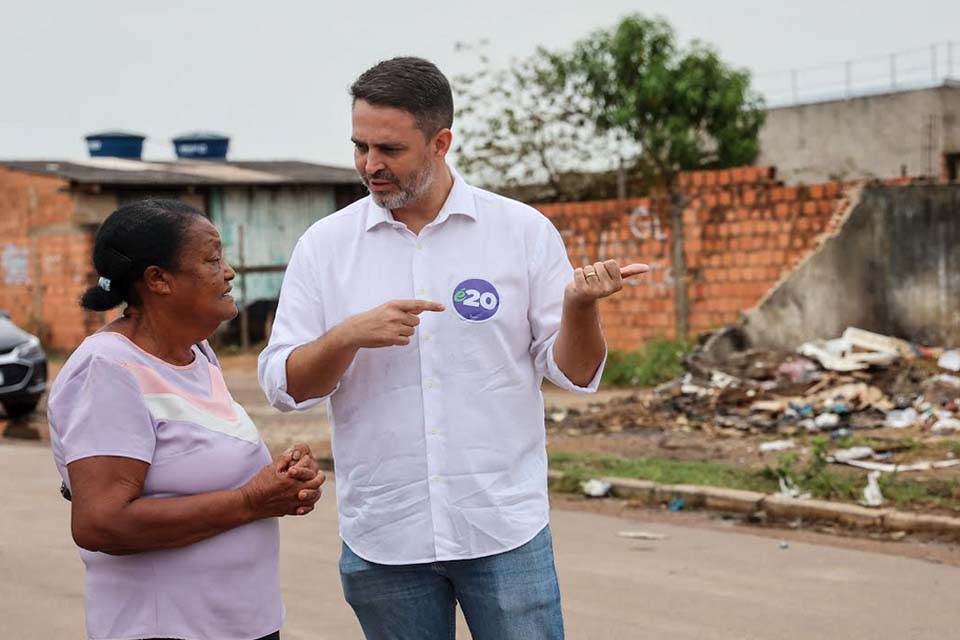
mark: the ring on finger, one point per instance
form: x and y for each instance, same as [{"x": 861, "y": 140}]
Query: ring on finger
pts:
[{"x": 587, "y": 274}]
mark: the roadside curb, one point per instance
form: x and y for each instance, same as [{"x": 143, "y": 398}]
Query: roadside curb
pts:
[{"x": 775, "y": 507}]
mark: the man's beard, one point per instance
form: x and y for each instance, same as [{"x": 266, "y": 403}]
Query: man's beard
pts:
[{"x": 405, "y": 194}]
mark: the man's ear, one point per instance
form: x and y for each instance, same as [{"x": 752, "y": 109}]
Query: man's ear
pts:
[
  {"x": 440, "y": 145},
  {"x": 157, "y": 281}
]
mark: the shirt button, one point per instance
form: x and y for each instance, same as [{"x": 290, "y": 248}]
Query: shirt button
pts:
[
  {"x": 421, "y": 291},
  {"x": 434, "y": 432},
  {"x": 429, "y": 384},
  {"x": 427, "y": 337},
  {"x": 419, "y": 245}
]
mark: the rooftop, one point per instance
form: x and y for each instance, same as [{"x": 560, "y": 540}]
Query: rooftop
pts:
[{"x": 121, "y": 172}]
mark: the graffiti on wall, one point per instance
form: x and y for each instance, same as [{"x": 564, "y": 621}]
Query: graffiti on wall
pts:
[{"x": 644, "y": 227}]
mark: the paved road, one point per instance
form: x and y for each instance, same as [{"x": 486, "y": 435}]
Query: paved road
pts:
[{"x": 698, "y": 583}]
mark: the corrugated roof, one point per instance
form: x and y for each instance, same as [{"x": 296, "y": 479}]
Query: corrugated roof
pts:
[{"x": 117, "y": 171}]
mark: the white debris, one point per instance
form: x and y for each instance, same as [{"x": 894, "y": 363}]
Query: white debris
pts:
[
  {"x": 826, "y": 420},
  {"x": 944, "y": 425},
  {"x": 596, "y": 488},
  {"x": 777, "y": 445},
  {"x": 641, "y": 535},
  {"x": 872, "y": 497},
  {"x": 901, "y": 418},
  {"x": 950, "y": 360},
  {"x": 853, "y": 453}
]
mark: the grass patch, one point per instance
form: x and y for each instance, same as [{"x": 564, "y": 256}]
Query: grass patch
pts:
[
  {"x": 659, "y": 360},
  {"x": 583, "y": 466},
  {"x": 815, "y": 477}
]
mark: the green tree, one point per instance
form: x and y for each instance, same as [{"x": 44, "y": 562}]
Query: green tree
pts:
[
  {"x": 684, "y": 108},
  {"x": 524, "y": 127}
]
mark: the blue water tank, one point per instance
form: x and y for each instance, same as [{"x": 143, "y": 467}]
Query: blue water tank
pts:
[
  {"x": 115, "y": 144},
  {"x": 201, "y": 146}
]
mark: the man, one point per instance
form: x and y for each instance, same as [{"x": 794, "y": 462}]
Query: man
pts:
[{"x": 428, "y": 314}]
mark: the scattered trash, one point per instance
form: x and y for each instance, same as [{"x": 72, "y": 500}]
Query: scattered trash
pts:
[
  {"x": 838, "y": 387},
  {"x": 901, "y": 418},
  {"x": 677, "y": 504},
  {"x": 950, "y": 360},
  {"x": 776, "y": 445},
  {"x": 784, "y": 544},
  {"x": 872, "y": 497},
  {"x": 945, "y": 424},
  {"x": 853, "y": 453},
  {"x": 826, "y": 420},
  {"x": 641, "y": 535},
  {"x": 799, "y": 370},
  {"x": 790, "y": 489},
  {"x": 829, "y": 359},
  {"x": 901, "y": 468},
  {"x": 596, "y": 488}
]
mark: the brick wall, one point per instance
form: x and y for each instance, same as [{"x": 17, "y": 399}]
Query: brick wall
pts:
[
  {"x": 44, "y": 259},
  {"x": 742, "y": 231}
]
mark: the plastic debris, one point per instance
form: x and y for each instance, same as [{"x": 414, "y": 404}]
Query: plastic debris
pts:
[
  {"x": 776, "y": 445},
  {"x": 677, "y": 504},
  {"x": 829, "y": 360},
  {"x": 641, "y": 535},
  {"x": 784, "y": 545},
  {"x": 901, "y": 418},
  {"x": 596, "y": 488},
  {"x": 944, "y": 425},
  {"x": 872, "y": 497},
  {"x": 950, "y": 360},
  {"x": 790, "y": 489},
  {"x": 798, "y": 370},
  {"x": 826, "y": 420},
  {"x": 853, "y": 453},
  {"x": 887, "y": 467}
]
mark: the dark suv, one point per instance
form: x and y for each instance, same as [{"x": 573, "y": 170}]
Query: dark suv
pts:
[{"x": 23, "y": 369}]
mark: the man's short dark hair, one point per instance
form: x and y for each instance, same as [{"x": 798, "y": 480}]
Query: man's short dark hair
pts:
[{"x": 414, "y": 85}]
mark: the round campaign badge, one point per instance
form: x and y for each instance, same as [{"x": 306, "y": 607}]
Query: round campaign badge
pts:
[{"x": 476, "y": 300}]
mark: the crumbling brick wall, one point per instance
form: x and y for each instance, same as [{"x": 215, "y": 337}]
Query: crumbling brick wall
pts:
[
  {"x": 743, "y": 230},
  {"x": 44, "y": 258}
]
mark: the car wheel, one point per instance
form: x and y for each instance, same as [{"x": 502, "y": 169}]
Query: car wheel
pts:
[{"x": 20, "y": 407}]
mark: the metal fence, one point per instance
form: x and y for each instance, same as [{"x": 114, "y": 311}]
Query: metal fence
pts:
[{"x": 918, "y": 68}]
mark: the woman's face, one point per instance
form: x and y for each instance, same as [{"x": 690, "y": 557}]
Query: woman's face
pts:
[{"x": 201, "y": 282}]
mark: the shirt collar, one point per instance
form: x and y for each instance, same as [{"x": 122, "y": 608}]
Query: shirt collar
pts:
[{"x": 460, "y": 201}]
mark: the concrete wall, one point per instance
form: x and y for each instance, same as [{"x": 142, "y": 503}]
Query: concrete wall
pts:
[
  {"x": 892, "y": 267},
  {"x": 866, "y": 137}
]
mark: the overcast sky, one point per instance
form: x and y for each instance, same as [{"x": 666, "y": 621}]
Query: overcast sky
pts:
[{"x": 274, "y": 75}]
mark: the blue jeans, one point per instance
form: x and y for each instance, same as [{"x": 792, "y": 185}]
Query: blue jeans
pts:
[{"x": 509, "y": 596}]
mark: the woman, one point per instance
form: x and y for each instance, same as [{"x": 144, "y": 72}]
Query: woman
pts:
[{"x": 174, "y": 495}]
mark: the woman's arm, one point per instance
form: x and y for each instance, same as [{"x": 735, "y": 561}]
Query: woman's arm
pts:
[{"x": 109, "y": 515}]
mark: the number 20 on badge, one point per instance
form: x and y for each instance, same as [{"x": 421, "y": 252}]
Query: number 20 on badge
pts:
[{"x": 476, "y": 300}]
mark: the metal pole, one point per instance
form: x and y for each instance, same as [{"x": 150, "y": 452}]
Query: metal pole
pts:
[
  {"x": 893, "y": 71},
  {"x": 950, "y": 59},
  {"x": 848, "y": 78},
  {"x": 621, "y": 181},
  {"x": 244, "y": 315},
  {"x": 793, "y": 84}
]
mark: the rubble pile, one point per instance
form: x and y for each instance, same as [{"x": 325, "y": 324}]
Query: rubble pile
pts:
[{"x": 859, "y": 381}]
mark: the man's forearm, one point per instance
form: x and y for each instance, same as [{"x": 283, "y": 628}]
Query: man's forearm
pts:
[
  {"x": 580, "y": 346},
  {"x": 315, "y": 368}
]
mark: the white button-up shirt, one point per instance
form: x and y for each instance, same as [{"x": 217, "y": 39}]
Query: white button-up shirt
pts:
[{"x": 439, "y": 444}]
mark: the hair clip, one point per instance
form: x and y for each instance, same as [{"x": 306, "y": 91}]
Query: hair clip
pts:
[{"x": 104, "y": 284}]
